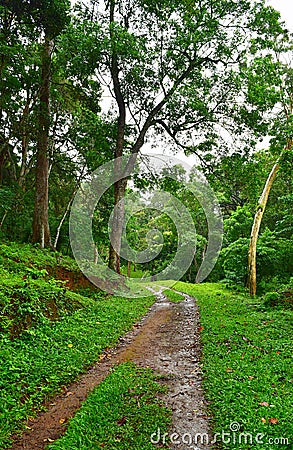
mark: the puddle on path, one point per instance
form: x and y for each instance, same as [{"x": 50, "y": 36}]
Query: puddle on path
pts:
[{"x": 167, "y": 340}]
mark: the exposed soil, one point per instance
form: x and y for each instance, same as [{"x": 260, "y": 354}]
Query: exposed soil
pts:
[
  {"x": 75, "y": 281},
  {"x": 167, "y": 340}
]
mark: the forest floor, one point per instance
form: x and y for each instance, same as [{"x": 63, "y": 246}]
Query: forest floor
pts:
[{"x": 165, "y": 340}]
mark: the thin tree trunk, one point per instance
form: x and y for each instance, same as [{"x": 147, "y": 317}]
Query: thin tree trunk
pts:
[
  {"x": 41, "y": 231},
  {"x": 196, "y": 267},
  {"x": 24, "y": 144},
  {"x": 128, "y": 268},
  {"x": 61, "y": 223},
  {"x": 96, "y": 255},
  {"x": 197, "y": 277},
  {"x": 262, "y": 203},
  {"x": 3, "y": 219},
  {"x": 67, "y": 209}
]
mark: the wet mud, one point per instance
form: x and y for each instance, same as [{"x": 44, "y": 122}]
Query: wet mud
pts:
[{"x": 167, "y": 340}]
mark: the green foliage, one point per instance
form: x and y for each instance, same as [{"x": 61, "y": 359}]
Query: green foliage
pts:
[
  {"x": 246, "y": 355},
  {"x": 274, "y": 259},
  {"x": 128, "y": 397},
  {"x": 30, "y": 301},
  {"x": 36, "y": 365},
  {"x": 18, "y": 258},
  {"x": 29, "y": 295},
  {"x": 51, "y": 16},
  {"x": 281, "y": 296},
  {"x": 239, "y": 224},
  {"x": 174, "y": 297}
]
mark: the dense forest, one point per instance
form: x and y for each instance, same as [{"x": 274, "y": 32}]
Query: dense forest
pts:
[
  {"x": 145, "y": 187},
  {"x": 84, "y": 84}
]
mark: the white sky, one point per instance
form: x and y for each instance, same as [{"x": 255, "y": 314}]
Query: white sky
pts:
[{"x": 286, "y": 9}]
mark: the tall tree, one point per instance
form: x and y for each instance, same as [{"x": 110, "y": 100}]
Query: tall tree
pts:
[
  {"x": 41, "y": 231},
  {"x": 173, "y": 68},
  {"x": 283, "y": 137},
  {"x": 52, "y": 17}
]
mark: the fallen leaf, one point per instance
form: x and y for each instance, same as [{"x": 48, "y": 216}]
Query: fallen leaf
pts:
[
  {"x": 250, "y": 378},
  {"x": 264, "y": 404},
  {"x": 278, "y": 353},
  {"x": 228, "y": 370},
  {"x": 273, "y": 420},
  {"x": 121, "y": 421},
  {"x": 69, "y": 393},
  {"x": 200, "y": 329},
  {"x": 50, "y": 440},
  {"x": 263, "y": 420},
  {"x": 70, "y": 345},
  {"x": 61, "y": 421}
]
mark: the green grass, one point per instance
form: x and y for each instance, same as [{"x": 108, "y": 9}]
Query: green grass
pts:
[
  {"x": 36, "y": 365},
  {"x": 120, "y": 414},
  {"x": 16, "y": 257},
  {"x": 247, "y": 355},
  {"x": 173, "y": 296}
]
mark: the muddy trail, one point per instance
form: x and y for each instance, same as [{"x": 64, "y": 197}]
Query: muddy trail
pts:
[{"x": 166, "y": 340}]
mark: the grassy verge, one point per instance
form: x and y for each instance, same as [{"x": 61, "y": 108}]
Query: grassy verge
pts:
[
  {"x": 247, "y": 355},
  {"x": 173, "y": 296},
  {"x": 35, "y": 365},
  {"x": 121, "y": 413}
]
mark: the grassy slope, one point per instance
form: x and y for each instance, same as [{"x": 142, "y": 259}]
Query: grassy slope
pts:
[
  {"x": 49, "y": 354},
  {"x": 247, "y": 355}
]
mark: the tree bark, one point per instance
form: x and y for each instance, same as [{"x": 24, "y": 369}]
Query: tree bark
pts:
[
  {"x": 120, "y": 185},
  {"x": 262, "y": 203},
  {"x": 117, "y": 225},
  {"x": 41, "y": 231}
]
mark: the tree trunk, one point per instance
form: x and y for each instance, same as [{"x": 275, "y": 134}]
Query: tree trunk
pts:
[
  {"x": 117, "y": 225},
  {"x": 120, "y": 185},
  {"x": 197, "y": 277},
  {"x": 67, "y": 209},
  {"x": 255, "y": 229},
  {"x": 128, "y": 268},
  {"x": 41, "y": 231}
]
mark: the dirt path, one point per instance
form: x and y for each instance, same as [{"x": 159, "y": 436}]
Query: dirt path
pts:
[{"x": 166, "y": 340}]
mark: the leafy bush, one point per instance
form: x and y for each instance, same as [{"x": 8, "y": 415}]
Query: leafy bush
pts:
[
  {"x": 274, "y": 259},
  {"x": 281, "y": 297},
  {"x": 29, "y": 301}
]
